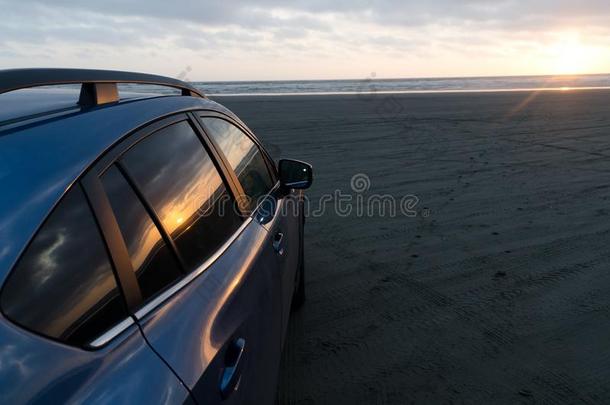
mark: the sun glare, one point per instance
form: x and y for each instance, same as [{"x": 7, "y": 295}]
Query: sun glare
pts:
[{"x": 568, "y": 55}]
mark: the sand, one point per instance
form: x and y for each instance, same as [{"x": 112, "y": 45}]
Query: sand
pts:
[{"x": 497, "y": 292}]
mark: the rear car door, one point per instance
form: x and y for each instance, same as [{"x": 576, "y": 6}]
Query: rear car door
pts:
[
  {"x": 205, "y": 285},
  {"x": 259, "y": 191}
]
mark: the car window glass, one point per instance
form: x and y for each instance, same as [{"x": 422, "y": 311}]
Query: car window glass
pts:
[
  {"x": 153, "y": 262},
  {"x": 177, "y": 176},
  {"x": 244, "y": 157},
  {"x": 64, "y": 286}
]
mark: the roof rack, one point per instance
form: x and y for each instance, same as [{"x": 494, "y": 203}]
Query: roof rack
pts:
[{"x": 98, "y": 86}]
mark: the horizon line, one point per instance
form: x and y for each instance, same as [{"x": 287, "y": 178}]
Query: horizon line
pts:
[
  {"x": 562, "y": 89},
  {"x": 374, "y": 77}
]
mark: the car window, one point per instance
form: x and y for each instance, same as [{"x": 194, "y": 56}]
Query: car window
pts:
[
  {"x": 64, "y": 287},
  {"x": 153, "y": 262},
  {"x": 244, "y": 157},
  {"x": 177, "y": 176}
]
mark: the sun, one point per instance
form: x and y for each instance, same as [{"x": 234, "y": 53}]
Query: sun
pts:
[{"x": 568, "y": 55}]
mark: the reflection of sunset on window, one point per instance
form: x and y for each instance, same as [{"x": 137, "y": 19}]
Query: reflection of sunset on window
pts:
[
  {"x": 47, "y": 262},
  {"x": 146, "y": 244},
  {"x": 195, "y": 195},
  {"x": 81, "y": 302},
  {"x": 231, "y": 141}
]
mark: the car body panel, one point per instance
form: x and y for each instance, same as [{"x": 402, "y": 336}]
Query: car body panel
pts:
[
  {"x": 31, "y": 102},
  {"x": 36, "y": 370}
]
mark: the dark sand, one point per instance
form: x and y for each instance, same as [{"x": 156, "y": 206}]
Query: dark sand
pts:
[{"x": 501, "y": 294}]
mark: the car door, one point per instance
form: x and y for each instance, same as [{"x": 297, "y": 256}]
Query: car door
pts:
[
  {"x": 204, "y": 281},
  {"x": 285, "y": 226},
  {"x": 259, "y": 190}
]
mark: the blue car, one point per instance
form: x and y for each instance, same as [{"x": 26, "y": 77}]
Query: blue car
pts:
[{"x": 150, "y": 248}]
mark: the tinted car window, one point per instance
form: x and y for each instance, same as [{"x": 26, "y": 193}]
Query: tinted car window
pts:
[
  {"x": 179, "y": 179},
  {"x": 153, "y": 263},
  {"x": 64, "y": 286},
  {"x": 243, "y": 156}
]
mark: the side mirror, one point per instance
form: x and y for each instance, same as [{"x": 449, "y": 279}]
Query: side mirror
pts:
[{"x": 295, "y": 174}]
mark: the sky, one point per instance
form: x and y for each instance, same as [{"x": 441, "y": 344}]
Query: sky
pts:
[{"x": 204, "y": 40}]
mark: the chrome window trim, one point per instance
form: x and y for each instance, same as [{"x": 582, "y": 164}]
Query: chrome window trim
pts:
[
  {"x": 112, "y": 333},
  {"x": 149, "y": 307}
]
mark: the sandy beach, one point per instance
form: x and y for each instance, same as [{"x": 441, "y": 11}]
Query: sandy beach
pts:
[{"x": 497, "y": 291}]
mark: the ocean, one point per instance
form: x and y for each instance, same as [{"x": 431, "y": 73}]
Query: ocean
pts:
[
  {"x": 433, "y": 85},
  {"x": 388, "y": 86}
]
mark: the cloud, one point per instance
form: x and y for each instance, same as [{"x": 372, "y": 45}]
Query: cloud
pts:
[
  {"x": 269, "y": 36},
  {"x": 307, "y": 15}
]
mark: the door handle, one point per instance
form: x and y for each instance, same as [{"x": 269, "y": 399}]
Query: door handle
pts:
[
  {"x": 231, "y": 375},
  {"x": 278, "y": 243}
]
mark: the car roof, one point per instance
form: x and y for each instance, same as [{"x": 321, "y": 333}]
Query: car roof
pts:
[
  {"x": 28, "y": 102},
  {"x": 20, "y": 105},
  {"x": 40, "y": 158}
]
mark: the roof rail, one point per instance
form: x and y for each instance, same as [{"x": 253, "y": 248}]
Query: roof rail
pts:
[{"x": 98, "y": 86}]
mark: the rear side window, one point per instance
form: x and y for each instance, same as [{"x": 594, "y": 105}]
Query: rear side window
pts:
[
  {"x": 153, "y": 263},
  {"x": 64, "y": 287},
  {"x": 244, "y": 157},
  {"x": 178, "y": 178}
]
